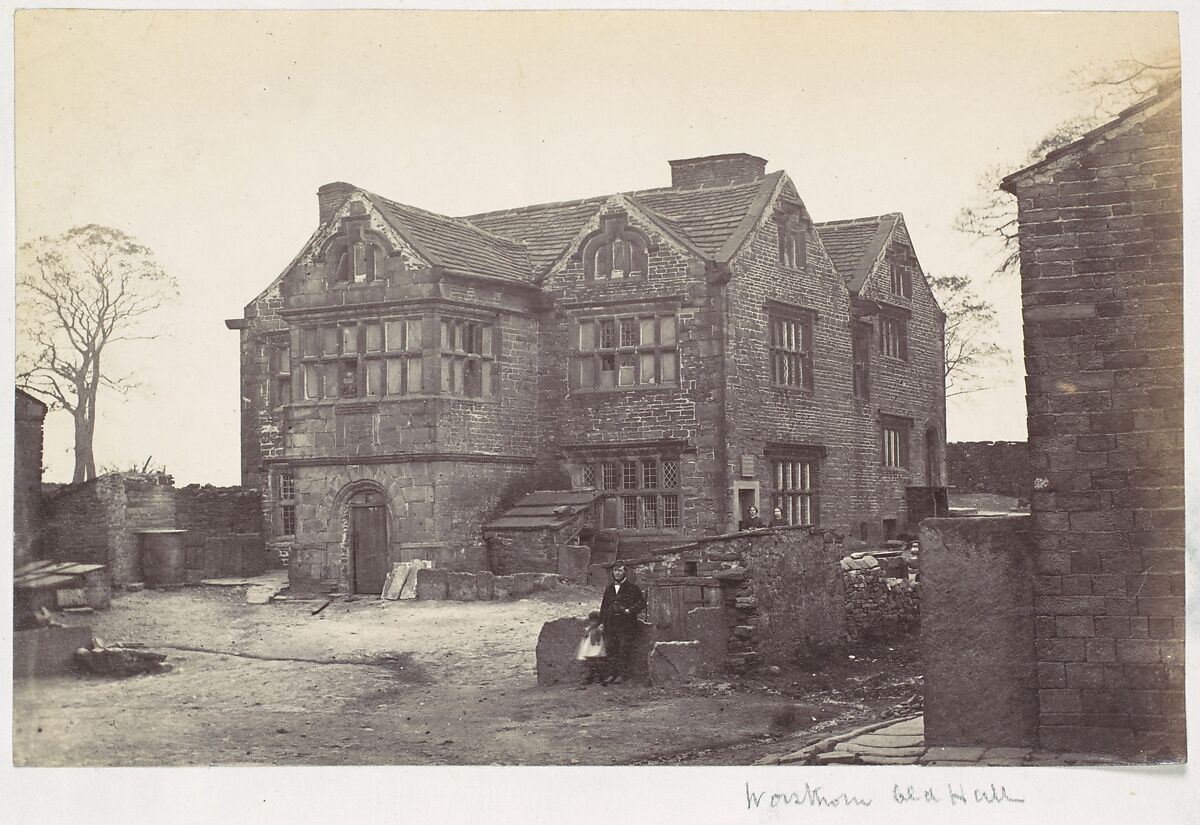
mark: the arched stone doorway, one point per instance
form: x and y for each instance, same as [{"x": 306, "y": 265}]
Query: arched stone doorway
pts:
[{"x": 366, "y": 511}]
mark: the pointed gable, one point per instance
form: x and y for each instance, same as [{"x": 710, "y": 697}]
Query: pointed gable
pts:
[{"x": 855, "y": 245}]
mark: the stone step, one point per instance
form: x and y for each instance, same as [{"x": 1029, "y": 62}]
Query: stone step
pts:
[
  {"x": 888, "y": 760},
  {"x": 854, "y": 747},
  {"x": 885, "y": 740}
]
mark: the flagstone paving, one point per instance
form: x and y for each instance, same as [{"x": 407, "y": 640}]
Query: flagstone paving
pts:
[{"x": 902, "y": 742}]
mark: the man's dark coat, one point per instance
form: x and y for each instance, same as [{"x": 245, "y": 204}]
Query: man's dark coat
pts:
[{"x": 613, "y": 605}]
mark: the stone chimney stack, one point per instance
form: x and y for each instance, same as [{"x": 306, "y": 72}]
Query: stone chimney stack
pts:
[
  {"x": 330, "y": 198},
  {"x": 717, "y": 170}
]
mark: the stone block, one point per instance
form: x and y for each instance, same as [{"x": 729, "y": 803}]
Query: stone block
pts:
[
  {"x": 502, "y": 587},
  {"x": 573, "y": 562},
  {"x": 461, "y": 587},
  {"x": 431, "y": 585},
  {"x": 546, "y": 581},
  {"x": 47, "y": 651},
  {"x": 557, "y": 644},
  {"x": 409, "y": 590},
  {"x": 523, "y": 584},
  {"x": 485, "y": 585},
  {"x": 673, "y": 660},
  {"x": 708, "y": 627}
]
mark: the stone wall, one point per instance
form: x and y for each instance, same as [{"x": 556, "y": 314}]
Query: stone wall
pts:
[
  {"x": 29, "y": 417},
  {"x": 86, "y": 523},
  {"x": 1000, "y": 467},
  {"x": 209, "y": 510},
  {"x": 97, "y": 522},
  {"x": 976, "y": 635},
  {"x": 781, "y": 589},
  {"x": 1101, "y": 238},
  {"x": 878, "y": 606}
]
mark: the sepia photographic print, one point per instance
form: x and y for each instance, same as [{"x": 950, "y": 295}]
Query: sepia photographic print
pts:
[{"x": 478, "y": 398}]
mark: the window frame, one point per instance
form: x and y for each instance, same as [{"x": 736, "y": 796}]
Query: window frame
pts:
[
  {"x": 285, "y": 499},
  {"x": 788, "y": 465},
  {"x": 456, "y": 360},
  {"x": 861, "y": 337},
  {"x": 790, "y": 336},
  {"x": 895, "y": 435},
  {"x": 893, "y": 336},
  {"x": 632, "y": 480},
  {"x": 601, "y": 347},
  {"x": 361, "y": 357}
]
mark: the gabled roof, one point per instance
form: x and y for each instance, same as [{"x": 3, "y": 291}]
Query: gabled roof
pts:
[
  {"x": 855, "y": 245},
  {"x": 1168, "y": 93},
  {"x": 456, "y": 244},
  {"x": 32, "y": 399},
  {"x": 714, "y": 221},
  {"x": 545, "y": 508}
]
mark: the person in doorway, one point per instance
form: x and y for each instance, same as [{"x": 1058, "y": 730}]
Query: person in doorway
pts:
[
  {"x": 752, "y": 521},
  {"x": 619, "y": 608},
  {"x": 592, "y": 650},
  {"x": 777, "y": 519}
]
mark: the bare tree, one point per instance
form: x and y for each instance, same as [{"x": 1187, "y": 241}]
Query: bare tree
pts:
[
  {"x": 1109, "y": 88},
  {"x": 77, "y": 294},
  {"x": 970, "y": 324}
]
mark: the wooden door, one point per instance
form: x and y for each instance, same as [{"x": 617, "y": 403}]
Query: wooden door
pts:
[
  {"x": 368, "y": 545},
  {"x": 671, "y": 599}
]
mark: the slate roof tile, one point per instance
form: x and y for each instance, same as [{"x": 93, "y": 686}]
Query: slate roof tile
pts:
[{"x": 853, "y": 245}]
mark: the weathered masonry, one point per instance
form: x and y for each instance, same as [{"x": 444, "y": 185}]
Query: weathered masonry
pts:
[
  {"x": 688, "y": 351},
  {"x": 1101, "y": 234}
]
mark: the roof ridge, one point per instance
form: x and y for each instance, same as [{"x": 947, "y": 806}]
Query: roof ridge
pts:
[
  {"x": 860, "y": 220},
  {"x": 513, "y": 210}
]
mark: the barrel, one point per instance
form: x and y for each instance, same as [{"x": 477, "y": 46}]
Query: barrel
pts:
[{"x": 162, "y": 557}]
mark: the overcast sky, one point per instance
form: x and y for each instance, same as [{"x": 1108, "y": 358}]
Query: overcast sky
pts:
[{"x": 205, "y": 135}]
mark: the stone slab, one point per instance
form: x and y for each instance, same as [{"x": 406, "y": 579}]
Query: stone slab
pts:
[
  {"x": 913, "y": 726},
  {"x": 573, "y": 561},
  {"x": 854, "y": 747},
  {"x": 956, "y": 754},
  {"x": 977, "y": 632},
  {"x": 409, "y": 590},
  {"x": 431, "y": 585},
  {"x": 47, "y": 651},
  {"x": 950, "y": 763},
  {"x": 1007, "y": 753},
  {"x": 557, "y": 644},
  {"x": 879, "y": 739},
  {"x": 836, "y": 756},
  {"x": 871, "y": 759},
  {"x": 461, "y": 587},
  {"x": 673, "y": 660},
  {"x": 708, "y": 627},
  {"x": 394, "y": 582},
  {"x": 598, "y": 576}
]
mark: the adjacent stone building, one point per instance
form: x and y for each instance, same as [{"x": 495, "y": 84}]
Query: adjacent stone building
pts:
[
  {"x": 1101, "y": 238},
  {"x": 29, "y": 419},
  {"x": 689, "y": 351}
]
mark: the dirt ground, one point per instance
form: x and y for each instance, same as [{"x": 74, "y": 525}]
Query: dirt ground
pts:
[{"x": 367, "y": 682}]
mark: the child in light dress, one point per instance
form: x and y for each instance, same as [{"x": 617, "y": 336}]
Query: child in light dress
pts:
[{"x": 591, "y": 649}]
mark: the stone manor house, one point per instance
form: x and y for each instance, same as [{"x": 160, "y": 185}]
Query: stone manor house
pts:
[{"x": 687, "y": 351}]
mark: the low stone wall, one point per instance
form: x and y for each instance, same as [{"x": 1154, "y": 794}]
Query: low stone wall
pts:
[
  {"x": 977, "y": 632},
  {"x": 781, "y": 589},
  {"x": 448, "y": 585},
  {"x": 878, "y": 607}
]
